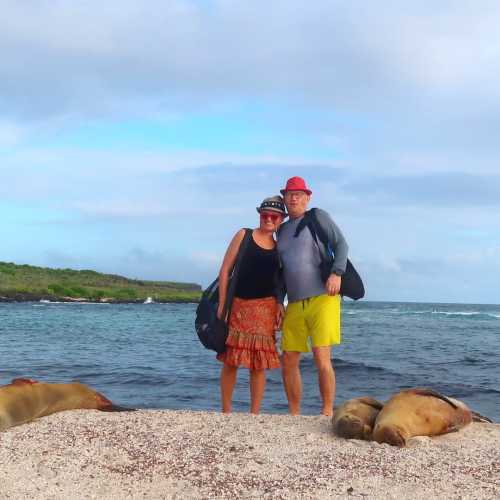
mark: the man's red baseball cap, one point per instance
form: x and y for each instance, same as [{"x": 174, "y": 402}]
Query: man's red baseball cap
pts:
[{"x": 296, "y": 184}]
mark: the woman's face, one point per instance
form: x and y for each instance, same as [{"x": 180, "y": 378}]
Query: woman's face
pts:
[{"x": 270, "y": 220}]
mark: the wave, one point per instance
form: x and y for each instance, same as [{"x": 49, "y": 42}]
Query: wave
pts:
[
  {"x": 344, "y": 366},
  {"x": 428, "y": 312},
  {"x": 50, "y": 303},
  {"x": 468, "y": 314},
  {"x": 480, "y": 360}
]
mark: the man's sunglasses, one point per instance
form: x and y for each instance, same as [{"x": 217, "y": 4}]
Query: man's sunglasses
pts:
[{"x": 269, "y": 215}]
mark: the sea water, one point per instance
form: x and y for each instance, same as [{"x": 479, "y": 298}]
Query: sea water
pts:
[{"x": 148, "y": 355}]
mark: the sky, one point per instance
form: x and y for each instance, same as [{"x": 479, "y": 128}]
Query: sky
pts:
[{"x": 137, "y": 137}]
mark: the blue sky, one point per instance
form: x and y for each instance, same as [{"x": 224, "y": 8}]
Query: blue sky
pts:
[{"x": 137, "y": 138}]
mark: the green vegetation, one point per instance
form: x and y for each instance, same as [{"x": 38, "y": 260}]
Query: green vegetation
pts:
[{"x": 24, "y": 282}]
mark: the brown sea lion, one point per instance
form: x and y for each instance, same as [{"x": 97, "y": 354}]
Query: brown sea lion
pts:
[
  {"x": 419, "y": 412},
  {"x": 354, "y": 418},
  {"x": 24, "y": 400}
]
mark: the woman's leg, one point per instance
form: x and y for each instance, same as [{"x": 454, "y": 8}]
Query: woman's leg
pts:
[
  {"x": 227, "y": 381},
  {"x": 257, "y": 387}
]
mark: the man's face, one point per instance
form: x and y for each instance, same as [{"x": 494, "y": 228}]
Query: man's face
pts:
[{"x": 296, "y": 203}]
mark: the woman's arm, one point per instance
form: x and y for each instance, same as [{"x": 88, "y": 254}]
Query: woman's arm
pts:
[{"x": 226, "y": 268}]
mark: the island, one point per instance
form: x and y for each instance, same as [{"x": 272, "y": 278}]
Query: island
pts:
[{"x": 24, "y": 283}]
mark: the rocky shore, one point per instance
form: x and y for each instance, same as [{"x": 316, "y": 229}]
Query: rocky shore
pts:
[{"x": 181, "y": 454}]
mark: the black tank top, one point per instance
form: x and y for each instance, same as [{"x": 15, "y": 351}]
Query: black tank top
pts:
[{"x": 258, "y": 268}]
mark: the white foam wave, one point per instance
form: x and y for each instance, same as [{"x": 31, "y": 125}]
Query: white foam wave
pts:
[
  {"x": 73, "y": 303},
  {"x": 467, "y": 313}
]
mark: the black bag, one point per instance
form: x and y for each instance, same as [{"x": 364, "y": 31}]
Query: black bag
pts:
[
  {"x": 211, "y": 330},
  {"x": 351, "y": 284}
]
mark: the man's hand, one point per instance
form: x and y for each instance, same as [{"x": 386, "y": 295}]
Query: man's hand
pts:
[
  {"x": 332, "y": 284},
  {"x": 280, "y": 314}
]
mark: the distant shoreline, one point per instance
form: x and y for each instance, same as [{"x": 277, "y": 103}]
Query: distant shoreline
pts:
[
  {"x": 25, "y": 283},
  {"x": 30, "y": 297}
]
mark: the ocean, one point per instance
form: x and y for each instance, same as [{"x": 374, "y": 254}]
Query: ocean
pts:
[{"x": 148, "y": 355}]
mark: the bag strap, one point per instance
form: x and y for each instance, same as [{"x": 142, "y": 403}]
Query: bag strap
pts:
[
  {"x": 234, "y": 275},
  {"x": 310, "y": 221}
]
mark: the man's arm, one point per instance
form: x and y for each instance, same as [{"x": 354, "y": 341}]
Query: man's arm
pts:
[{"x": 331, "y": 232}]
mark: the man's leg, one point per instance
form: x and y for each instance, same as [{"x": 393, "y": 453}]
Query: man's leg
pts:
[
  {"x": 326, "y": 378},
  {"x": 257, "y": 388},
  {"x": 227, "y": 382},
  {"x": 323, "y": 318},
  {"x": 292, "y": 380}
]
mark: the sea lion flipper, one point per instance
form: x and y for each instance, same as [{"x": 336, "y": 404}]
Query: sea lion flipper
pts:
[
  {"x": 477, "y": 417},
  {"x": 113, "y": 407},
  {"x": 104, "y": 404},
  {"x": 367, "y": 400},
  {"x": 430, "y": 392}
]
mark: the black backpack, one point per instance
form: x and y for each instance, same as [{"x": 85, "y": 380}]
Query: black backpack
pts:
[
  {"x": 351, "y": 285},
  {"x": 211, "y": 330}
]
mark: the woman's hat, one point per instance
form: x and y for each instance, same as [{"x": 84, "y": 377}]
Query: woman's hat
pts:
[
  {"x": 296, "y": 184},
  {"x": 273, "y": 204}
]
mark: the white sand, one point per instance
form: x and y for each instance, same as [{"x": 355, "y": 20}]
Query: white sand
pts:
[{"x": 179, "y": 454}]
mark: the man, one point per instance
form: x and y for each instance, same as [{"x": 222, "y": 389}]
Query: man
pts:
[{"x": 313, "y": 312}]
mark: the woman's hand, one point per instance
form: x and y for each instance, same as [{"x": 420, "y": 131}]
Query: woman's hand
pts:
[{"x": 220, "y": 311}]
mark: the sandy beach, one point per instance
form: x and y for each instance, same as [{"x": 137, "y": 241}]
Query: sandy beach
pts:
[{"x": 185, "y": 454}]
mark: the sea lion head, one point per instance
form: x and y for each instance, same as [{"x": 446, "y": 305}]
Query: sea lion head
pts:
[
  {"x": 354, "y": 418},
  {"x": 392, "y": 435},
  {"x": 350, "y": 427}
]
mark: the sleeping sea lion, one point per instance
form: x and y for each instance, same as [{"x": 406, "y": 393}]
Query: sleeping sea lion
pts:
[
  {"x": 24, "y": 400},
  {"x": 419, "y": 412},
  {"x": 354, "y": 418}
]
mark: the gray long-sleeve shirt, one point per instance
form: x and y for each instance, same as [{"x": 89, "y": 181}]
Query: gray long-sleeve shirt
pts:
[{"x": 301, "y": 257}]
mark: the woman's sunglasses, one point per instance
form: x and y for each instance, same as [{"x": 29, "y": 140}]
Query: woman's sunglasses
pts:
[{"x": 269, "y": 215}]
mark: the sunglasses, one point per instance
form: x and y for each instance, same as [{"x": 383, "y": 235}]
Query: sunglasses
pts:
[{"x": 269, "y": 215}]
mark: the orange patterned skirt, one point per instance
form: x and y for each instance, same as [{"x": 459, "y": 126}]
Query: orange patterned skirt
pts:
[{"x": 251, "y": 341}]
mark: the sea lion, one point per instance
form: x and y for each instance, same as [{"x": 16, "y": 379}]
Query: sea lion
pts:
[
  {"x": 419, "y": 412},
  {"x": 24, "y": 400},
  {"x": 354, "y": 418}
]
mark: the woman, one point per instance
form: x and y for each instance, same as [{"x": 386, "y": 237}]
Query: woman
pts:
[{"x": 251, "y": 341}]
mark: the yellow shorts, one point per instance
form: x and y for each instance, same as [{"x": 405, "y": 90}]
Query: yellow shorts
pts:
[{"x": 316, "y": 318}]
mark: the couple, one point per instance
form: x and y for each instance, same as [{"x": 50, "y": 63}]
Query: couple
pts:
[{"x": 268, "y": 270}]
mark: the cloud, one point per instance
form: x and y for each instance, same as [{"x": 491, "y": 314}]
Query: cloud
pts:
[
  {"x": 157, "y": 128},
  {"x": 10, "y": 134},
  {"x": 86, "y": 59},
  {"x": 432, "y": 189}
]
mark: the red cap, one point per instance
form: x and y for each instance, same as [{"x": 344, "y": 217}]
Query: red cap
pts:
[{"x": 296, "y": 184}]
